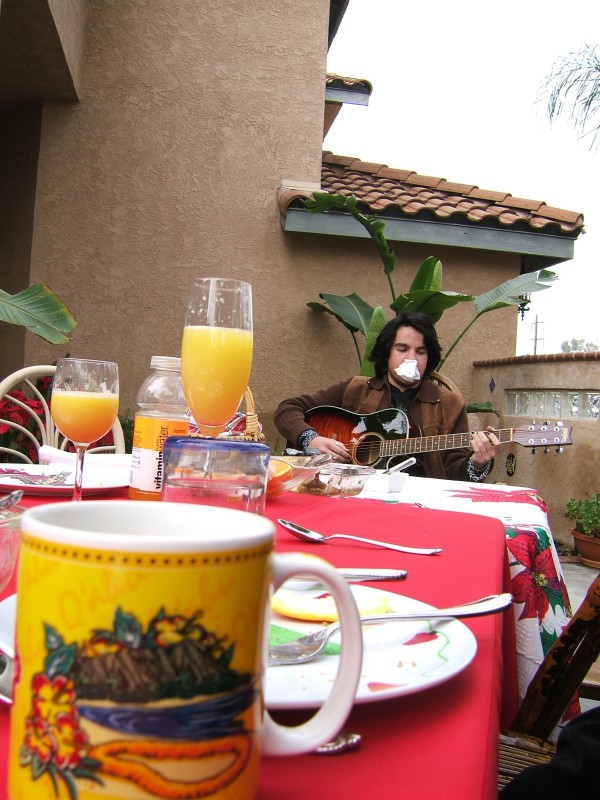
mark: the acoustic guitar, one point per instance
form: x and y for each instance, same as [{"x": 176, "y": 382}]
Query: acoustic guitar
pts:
[{"x": 377, "y": 438}]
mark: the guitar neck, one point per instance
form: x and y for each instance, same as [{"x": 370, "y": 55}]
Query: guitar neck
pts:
[{"x": 430, "y": 444}]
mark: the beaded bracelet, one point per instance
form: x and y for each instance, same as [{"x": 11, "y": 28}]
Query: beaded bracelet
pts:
[
  {"x": 306, "y": 438},
  {"x": 476, "y": 473}
]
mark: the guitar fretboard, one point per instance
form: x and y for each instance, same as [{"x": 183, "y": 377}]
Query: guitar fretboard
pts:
[{"x": 430, "y": 444}]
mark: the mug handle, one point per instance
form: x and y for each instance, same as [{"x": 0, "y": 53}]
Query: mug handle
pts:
[{"x": 280, "y": 740}]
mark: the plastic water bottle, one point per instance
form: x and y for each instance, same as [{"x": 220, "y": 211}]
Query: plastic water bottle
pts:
[{"x": 162, "y": 412}]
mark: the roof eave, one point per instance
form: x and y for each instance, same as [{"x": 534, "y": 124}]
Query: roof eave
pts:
[
  {"x": 350, "y": 96},
  {"x": 537, "y": 249}
]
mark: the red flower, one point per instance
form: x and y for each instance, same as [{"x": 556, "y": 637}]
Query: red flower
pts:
[
  {"x": 538, "y": 579},
  {"x": 52, "y": 731}
]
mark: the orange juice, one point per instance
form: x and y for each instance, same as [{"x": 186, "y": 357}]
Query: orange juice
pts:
[
  {"x": 84, "y": 417},
  {"x": 215, "y": 368}
]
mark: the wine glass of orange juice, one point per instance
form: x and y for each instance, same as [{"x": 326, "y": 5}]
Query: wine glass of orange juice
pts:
[
  {"x": 85, "y": 401},
  {"x": 216, "y": 352}
]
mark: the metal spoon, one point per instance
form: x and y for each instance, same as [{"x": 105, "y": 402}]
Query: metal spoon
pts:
[
  {"x": 401, "y": 466},
  {"x": 312, "y": 536},
  {"x": 11, "y": 499},
  {"x": 342, "y": 742}
]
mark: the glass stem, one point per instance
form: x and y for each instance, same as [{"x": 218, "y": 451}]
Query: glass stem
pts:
[{"x": 80, "y": 452}]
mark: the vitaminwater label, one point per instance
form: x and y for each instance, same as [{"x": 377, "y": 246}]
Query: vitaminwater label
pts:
[{"x": 149, "y": 437}]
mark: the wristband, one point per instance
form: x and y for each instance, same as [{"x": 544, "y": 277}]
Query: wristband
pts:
[
  {"x": 478, "y": 473},
  {"x": 306, "y": 438}
]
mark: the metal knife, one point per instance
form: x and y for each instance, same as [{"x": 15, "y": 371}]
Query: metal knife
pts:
[{"x": 356, "y": 575}]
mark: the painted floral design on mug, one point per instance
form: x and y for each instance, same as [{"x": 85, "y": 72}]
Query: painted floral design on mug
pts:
[{"x": 174, "y": 658}]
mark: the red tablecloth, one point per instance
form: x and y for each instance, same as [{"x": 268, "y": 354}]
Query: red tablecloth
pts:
[{"x": 438, "y": 743}]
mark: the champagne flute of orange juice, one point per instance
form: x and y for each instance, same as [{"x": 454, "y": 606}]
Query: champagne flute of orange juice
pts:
[
  {"x": 216, "y": 352},
  {"x": 84, "y": 404}
]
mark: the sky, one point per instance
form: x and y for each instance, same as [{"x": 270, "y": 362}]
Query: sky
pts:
[{"x": 456, "y": 94}]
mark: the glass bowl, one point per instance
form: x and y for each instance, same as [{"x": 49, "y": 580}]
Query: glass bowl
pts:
[
  {"x": 287, "y": 473},
  {"x": 9, "y": 543},
  {"x": 338, "y": 480}
]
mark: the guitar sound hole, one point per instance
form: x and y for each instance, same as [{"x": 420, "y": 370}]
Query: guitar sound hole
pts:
[{"x": 368, "y": 451}]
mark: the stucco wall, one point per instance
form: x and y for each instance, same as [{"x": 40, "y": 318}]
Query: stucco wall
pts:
[
  {"x": 19, "y": 134},
  {"x": 558, "y": 477},
  {"x": 190, "y": 116},
  {"x": 69, "y": 17}
]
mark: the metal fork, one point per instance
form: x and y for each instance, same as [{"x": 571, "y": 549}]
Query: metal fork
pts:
[
  {"x": 39, "y": 480},
  {"x": 308, "y": 647}
]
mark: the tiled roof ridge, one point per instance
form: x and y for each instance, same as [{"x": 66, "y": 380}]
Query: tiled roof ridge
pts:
[
  {"x": 534, "y": 207},
  {"x": 342, "y": 82},
  {"x": 408, "y": 194},
  {"x": 591, "y": 355}
]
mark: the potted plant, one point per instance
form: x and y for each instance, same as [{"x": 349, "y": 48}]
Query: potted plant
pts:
[{"x": 586, "y": 534}]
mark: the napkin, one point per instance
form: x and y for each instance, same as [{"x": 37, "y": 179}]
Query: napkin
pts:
[{"x": 117, "y": 465}]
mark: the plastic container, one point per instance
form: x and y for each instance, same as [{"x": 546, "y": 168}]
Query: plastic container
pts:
[
  {"x": 162, "y": 412},
  {"x": 338, "y": 480}
]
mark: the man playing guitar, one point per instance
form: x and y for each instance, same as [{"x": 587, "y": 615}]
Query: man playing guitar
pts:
[{"x": 405, "y": 353}]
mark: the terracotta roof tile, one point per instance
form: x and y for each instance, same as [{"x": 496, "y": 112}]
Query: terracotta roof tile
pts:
[
  {"x": 366, "y": 166},
  {"x": 458, "y": 188},
  {"x": 406, "y": 193},
  {"x": 343, "y": 160},
  {"x": 560, "y": 214},
  {"x": 424, "y": 180},
  {"x": 486, "y": 194},
  {"x": 521, "y": 202},
  {"x": 348, "y": 84},
  {"x": 396, "y": 174}
]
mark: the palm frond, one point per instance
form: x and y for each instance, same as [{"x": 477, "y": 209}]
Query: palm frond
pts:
[{"x": 573, "y": 88}]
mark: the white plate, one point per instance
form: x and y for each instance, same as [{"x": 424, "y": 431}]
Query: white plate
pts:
[
  {"x": 95, "y": 481},
  {"x": 400, "y": 658},
  {"x": 8, "y": 611}
]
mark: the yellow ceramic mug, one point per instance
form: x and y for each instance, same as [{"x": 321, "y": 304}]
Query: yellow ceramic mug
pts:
[{"x": 140, "y": 645}]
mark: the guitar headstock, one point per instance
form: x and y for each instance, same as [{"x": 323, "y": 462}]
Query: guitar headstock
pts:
[{"x": 546, "y": 434}]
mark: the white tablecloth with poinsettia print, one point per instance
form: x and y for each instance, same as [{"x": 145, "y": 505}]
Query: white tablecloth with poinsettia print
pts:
[{"x": 541, "y": 602}]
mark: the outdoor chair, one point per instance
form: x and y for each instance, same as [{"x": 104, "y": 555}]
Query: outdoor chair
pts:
[
  {"x": 40, "y": 428},
  {"x": 444, "y": 381},
  {"x": 569, "y": 667}
]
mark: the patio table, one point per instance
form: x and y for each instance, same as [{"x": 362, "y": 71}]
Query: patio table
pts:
[
  {"x": 438, "y": 742},
  {"x": 541, "y": 603}
]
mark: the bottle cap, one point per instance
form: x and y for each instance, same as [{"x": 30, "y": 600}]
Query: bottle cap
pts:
[{"x": 165, "y": 362}]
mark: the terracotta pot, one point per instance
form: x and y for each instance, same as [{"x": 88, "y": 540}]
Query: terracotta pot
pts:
[{"x": 588, "y": 549}]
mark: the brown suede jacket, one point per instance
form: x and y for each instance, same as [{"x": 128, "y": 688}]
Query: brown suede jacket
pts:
[{"x": 435, "y": 410}]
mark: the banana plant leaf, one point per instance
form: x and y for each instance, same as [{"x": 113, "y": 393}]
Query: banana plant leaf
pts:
[
  {"x": 432, "y": 303},
  {"x": 429, "y": 276},
  {"x": 482, "y": 408},
  {"x": 40, "y": 311},
  {"x": 511, "y": 292},
  {"x": 321, "y": 202},
  {"x": 352, "y": 311},
  {"x": 378, "y": 320}
]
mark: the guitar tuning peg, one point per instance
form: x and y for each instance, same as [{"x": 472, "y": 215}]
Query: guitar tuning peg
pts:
[
  {"x": 546, "y": 449},
  {"x": 533, "y": 451},
  {"x": 560, "y": 449}
]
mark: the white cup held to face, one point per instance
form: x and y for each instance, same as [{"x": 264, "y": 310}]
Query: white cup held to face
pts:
[{"x": 141, "y": 642}]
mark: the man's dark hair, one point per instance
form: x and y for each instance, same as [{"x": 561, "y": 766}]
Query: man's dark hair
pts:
[{"x": 414, "y": 319}]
